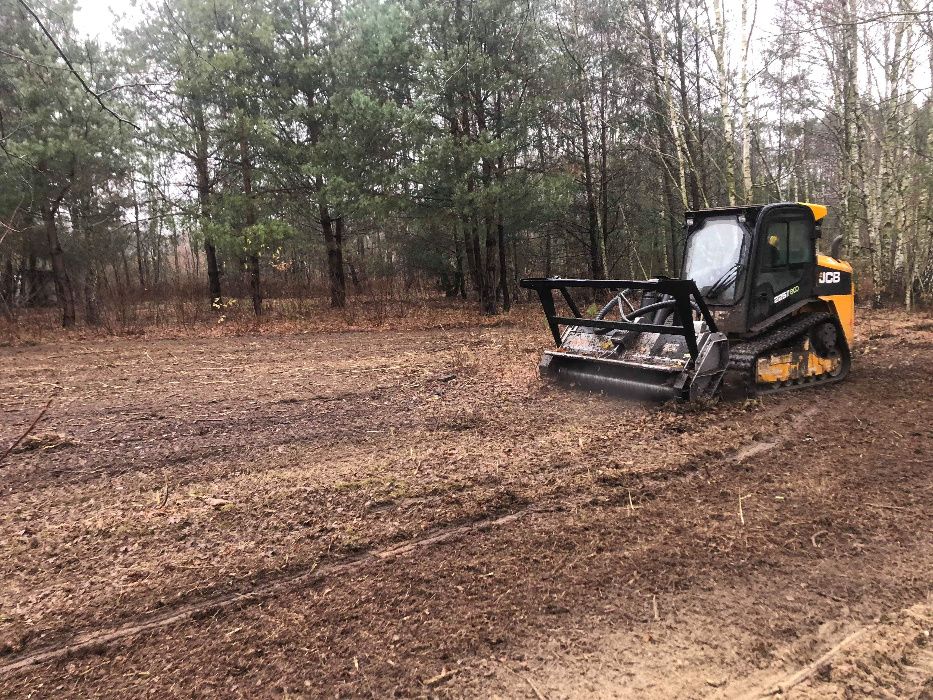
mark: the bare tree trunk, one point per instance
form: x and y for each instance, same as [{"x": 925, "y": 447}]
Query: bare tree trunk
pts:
[
  {"x": 91, "y": 306},
  {"x": 515, "y": 267},
  {"x": 663, "y": 144},
  {"x": 678, "y": 142},
  {"x": 255, "y": 288},
  {"x": 359, "y": 274},
  {"x": 338, "y": 292},
  {"x": 476, "y": 261},
  {"x": 63, "y": 288},
  {"x": 488, "y": 302},
  {"x": 459, "y": 285},
  {"x": 728, "y": 128},
  {"x": 597, "y": 269},
  {"x": 155, "y": 238},
  {"x": 7, "y": 287},
  {"x": 126, "y": 269},
  {"x": 467, "y": 225},
  {"x": 489, "y": 261},
  {"x": 176, "y": 262},
  {"x": 338, "y": 258},
  {"x": 603, "y": 157},
  {"x": 35, "y": 291},
  {"x": 91, "y": 303},
  {"x": 246, "y": 166},
  {"x": 503, "y": 265},
  {"x": 689, "y": 141},
  {"x": 355, "y": 278},
  {"x": 747, "y": 193},
  {"x": 463, "y": 240},
  {"x": 542, "y": 160},
  {"x": 490, "y": 305},
  {"x": 701, "y": 148},
  {"x": 500, "y": 226},
  {"x": 204, "y": 194},
  {"x": 140, "y": 258},
  {"x": 333, "y": 242}
]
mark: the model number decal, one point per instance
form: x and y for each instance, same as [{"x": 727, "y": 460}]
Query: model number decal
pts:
[
  {"x": 783, "y": 295},
  {"x": 830, "y": 277}
]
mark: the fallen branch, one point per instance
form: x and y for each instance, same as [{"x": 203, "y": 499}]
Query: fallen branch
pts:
[
  {"x": 441, "y": 677},
  {"x": 882, "y": 505},
  {"x": 526, "y": 679},
  {"x": 28, "y": 430},
  {"x": 741, "y": 512},
  {"x": 164, "y": 498},
  {"x": 531, "y": 685},
  {"x": 806, "y": 672}
]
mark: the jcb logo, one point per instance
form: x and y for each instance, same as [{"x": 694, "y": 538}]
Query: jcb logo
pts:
[{"x": 831, "y": 277}]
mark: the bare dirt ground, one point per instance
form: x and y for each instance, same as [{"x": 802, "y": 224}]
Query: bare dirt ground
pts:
[{"x": 414, "y": 514}]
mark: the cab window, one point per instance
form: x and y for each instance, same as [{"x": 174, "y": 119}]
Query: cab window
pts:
[
  {"x": 786, "y": 243},
  {"x": 774, "y": 251},
  {"x": 799, "y": 243}
]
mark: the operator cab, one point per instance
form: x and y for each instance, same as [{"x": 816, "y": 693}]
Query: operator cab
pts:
[{"x": 752, "y": 263}]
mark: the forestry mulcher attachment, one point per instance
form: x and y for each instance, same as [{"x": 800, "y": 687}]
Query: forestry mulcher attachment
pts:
[{"x": 754, "y": 300}]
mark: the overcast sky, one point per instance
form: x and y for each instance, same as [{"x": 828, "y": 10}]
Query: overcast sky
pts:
[{"x": 95, "y": 18}]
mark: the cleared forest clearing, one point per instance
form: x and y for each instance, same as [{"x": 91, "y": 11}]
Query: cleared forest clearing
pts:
[{"x": 414, "y": 513}]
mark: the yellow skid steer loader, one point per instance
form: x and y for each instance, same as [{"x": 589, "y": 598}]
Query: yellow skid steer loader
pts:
[{"x": 754, "y": 299}]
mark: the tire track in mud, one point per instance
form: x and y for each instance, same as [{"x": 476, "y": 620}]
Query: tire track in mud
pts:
[
  {"x": 162, "y": 435},
  {"x": 891, "y": 653},
  {"x": 87, "y": 641},
  {"x": 206, "y": 607}
]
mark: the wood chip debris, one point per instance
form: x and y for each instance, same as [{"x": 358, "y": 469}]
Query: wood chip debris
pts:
[{"x": 441, "y": 677}]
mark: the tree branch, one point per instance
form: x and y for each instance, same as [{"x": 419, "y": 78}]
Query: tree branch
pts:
[{"x": 87, "y": 88}]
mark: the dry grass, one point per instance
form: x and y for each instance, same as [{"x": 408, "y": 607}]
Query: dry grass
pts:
[{"x": 183, "y": 317}]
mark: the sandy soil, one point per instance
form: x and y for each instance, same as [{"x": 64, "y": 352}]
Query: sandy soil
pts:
[{"x": 414, "y": 514}]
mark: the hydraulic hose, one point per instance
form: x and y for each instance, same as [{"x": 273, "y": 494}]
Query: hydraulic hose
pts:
[
  {"x": 657, "y": 306},
  {"x": 607, "y": 308}
]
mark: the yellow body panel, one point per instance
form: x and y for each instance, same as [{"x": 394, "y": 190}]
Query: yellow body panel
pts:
[
  {"x": 819, "y": 211},
  {"x": 843, "y": 303},
  {"x": 796, "y": 363}
]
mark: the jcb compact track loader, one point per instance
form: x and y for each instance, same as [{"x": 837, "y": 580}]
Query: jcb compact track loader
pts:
[{"x": 754, "y": 299}]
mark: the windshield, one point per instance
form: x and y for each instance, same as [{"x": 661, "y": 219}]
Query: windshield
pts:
[{"x": 712, "y": 258}]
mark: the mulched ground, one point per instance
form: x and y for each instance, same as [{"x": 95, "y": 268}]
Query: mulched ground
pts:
[{"x": 414, "y": 513}]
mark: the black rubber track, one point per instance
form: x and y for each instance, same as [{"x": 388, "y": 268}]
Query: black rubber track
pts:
[{"x": 744, "y": 356}]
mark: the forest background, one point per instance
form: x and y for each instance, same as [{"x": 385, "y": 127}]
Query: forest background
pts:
[{"x": 273, "y": 153}]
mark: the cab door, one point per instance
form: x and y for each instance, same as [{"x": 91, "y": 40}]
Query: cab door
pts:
[{"x": 786, "y": 259}]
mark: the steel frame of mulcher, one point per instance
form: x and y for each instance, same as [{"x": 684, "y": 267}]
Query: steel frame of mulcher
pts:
[{"x": 684, "y": 293}]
